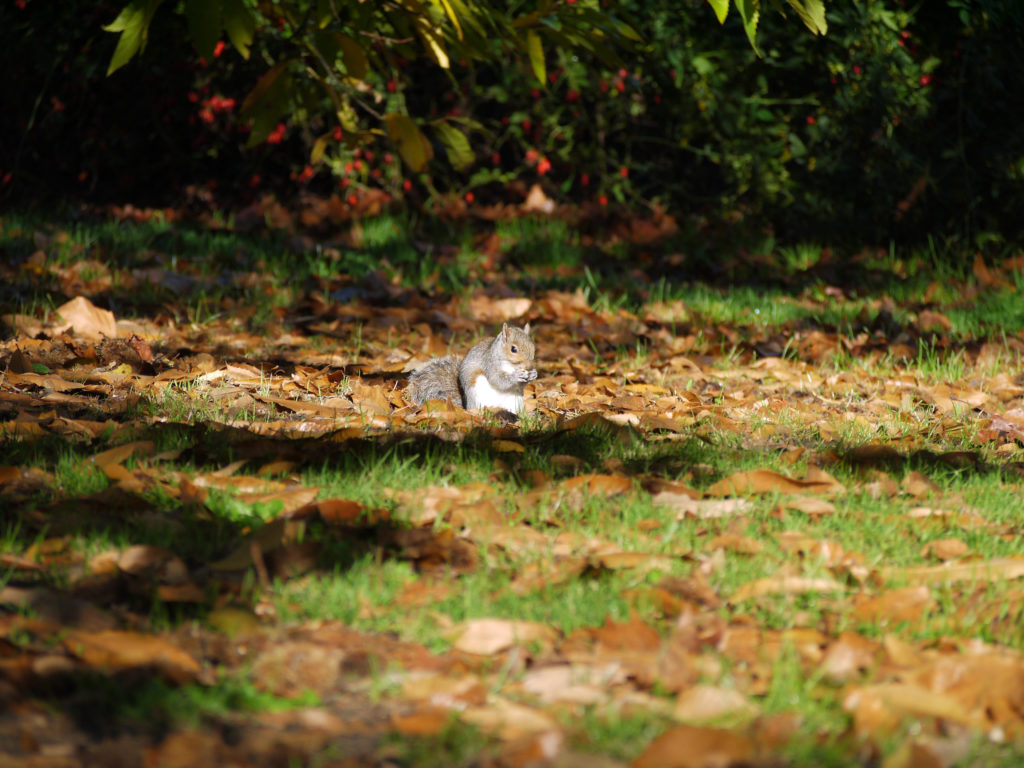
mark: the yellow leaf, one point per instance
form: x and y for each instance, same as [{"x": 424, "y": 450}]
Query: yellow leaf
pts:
[
  {"x": 432, "y": 39},
  {"x": 536, "y": 52},
  {"x": 412, "y": 144}
]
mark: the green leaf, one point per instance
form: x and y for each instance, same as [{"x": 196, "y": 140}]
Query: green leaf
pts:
[
  {"x": 267, "y": 102},
  {"x": 812, "y": 13},
  {"x": 133, "y": 24},
  {"x": 536, "y": 52},
  {"x": 356, "y": 63},
  {"x": 240, "y": 24},
  {"x": 412, "y": 144},
  {"x": 455, "y": 142},
  {"x": 263, "y": 87},
  {"x": 721, "y": 9},
  {"x": 204, "y": 24},
  {"x": 750, "y": 12}
]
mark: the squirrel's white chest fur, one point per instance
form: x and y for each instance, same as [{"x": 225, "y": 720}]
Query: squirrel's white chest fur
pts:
[{"x": 482, "y": 394}]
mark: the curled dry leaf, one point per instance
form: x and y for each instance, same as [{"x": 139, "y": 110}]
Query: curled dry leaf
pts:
[
  {"x": 83, "y": 318},
  {"x": 945, "y": 549},
  {"x": 487, "y": 637},
  {"x": 508, "y": 720},
  {"x": 895, "y": 605},
  {"x": 760, "y": 481},
  {"x": 879, "y": 708},
  {"x": 793, "y": 585},
  {"x": 688, "y": 746},
  {"x": 998, "y": 569},
  {"x": 683, "y": 504},
  {"x": 114, "y": 650},
  {"x": 604, "y": 485},
  {"x": 918, "y": 485},
  {"x": 705, "y": 704}
]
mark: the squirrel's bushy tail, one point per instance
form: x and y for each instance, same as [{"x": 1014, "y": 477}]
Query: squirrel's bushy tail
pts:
[{"x": 437, "y": 380}]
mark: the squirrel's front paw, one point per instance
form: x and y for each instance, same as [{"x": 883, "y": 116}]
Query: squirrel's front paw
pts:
[{"x": 525, "y": 376}]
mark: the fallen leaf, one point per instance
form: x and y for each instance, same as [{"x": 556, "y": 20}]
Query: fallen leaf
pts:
[
  {"x": 945, "y": 549},
  {"x": 894, "y": 605},
  {"x": 766, "y": 481},
  {"x": 793, "y": 585},
  {"x": 705, "y": 704},
  {"x": 486, "y": 637},
  {"x": 113, "y": 650},
  {"x": 688, "y": 746},
  {"x": 985, "y": 570},
  {"x": 604, "y": 485},
  {"x": 83, "y": 318}
]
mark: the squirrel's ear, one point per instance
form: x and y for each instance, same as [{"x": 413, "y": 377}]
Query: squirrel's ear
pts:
[
  {"x": 504, "y": 331},
  {"x": 526, "y": 329}
]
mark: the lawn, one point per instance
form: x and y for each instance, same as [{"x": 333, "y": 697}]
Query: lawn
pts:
[{"x": 764, "y": 507}]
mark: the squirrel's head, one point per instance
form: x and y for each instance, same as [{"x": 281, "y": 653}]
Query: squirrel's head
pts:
[{"x": 517, "y": 346}]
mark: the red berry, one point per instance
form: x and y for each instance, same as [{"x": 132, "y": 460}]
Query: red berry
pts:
[
  {"x": 603, "y": 199},
  {"x": 926, "y": 79},
  {"x": 624, "y": 172},
  {"x": 543, "y": 166},
  {"x": 811, "y": 120},
  {"x": 337, "y": 133},
  {"x": 352, "y": 199},
  {"x": 470, "y": 197},
  {"x": 218, "y": 49},
  {"x": 584, "y": 179},
  {"x": 407, "y": 185}
]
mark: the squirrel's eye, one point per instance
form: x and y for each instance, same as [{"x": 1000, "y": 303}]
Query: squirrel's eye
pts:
[{"x": 514, "y": 349}]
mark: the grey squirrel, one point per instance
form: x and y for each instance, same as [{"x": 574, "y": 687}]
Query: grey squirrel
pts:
[{"x": 491, "y": 375}]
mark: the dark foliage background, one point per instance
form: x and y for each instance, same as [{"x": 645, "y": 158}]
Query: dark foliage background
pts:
[{"x": 898, "y": 124}]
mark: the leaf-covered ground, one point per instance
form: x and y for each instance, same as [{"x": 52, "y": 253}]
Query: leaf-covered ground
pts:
[{"x": 765, "y": 508}]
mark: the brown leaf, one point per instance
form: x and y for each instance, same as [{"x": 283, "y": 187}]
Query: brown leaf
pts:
[
  {"x": 766, "y": 481},
  {"x": 895, "y": 605},
  {"x": 848, "y": 657},
  {"x": 604, "y": 485},
  {"x": 705, "y": 704},
  {"x": 508, "y": 720},
  {"x": 878, "y": 708},
  {"x": 489, "y": 310},
  {"x": 119, "y": 454},
  {"x": 683, "y": 504},
  {"x": 791, "y": 585},
  {"x": 423, "y": 722},
  {"x": 918, "y": 485},
  {"x": 687, "y": 746},
  {"x": 82, "y": 318},
  {"x": 736, "y": 543},
  {"x": 997, "y": 569},
  {"x": 487, "y": 637},
  {"x": 113, "y": 650},
  {"x": 945, "y": 549},
  {"x": 810, "y": 505}
]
